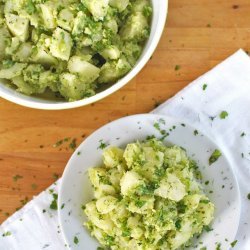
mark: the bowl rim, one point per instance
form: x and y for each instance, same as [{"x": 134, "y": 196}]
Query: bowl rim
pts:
[{"x": 110, "y": 90}]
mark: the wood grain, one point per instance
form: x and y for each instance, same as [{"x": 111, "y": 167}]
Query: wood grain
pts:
[{"x": 198, "y": 35}]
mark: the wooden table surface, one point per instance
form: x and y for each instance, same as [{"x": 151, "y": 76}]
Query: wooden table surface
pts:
[{"x": 198, "y": 35}]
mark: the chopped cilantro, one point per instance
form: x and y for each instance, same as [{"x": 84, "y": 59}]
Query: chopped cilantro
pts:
[
  {"x": 59, "y": 8},
  {"x": 233, "y": 243},
  {"x": 223, "y": 115},
  {"x": 177, "y": 67},
  {"x": 33, "y": 186},
  {"x": 78, "y": 153},
  {"x": 218, "y": 246},
  {"x": 17, "y": 177},
  {"x": 178, "y": 224},
  {"x": 242, "y": 134},
  {"x": 62, "y": 35},
  {"x": 55, "y": 176},
  {"x": 126, "y": 232},
  {"x": 204, "y": 201},
  {"x": 7, "y": 63},
  {"x": 215, "y": 156},
  {"x": 53, "y": 204},
  {"x": 109, "y": 240},
  {"x": 76, "y": 240},
  {"x": 204, "y": 87},
  {"x": 157, "y": 126},
  {"x": 72, "y": 145},
  {"x": 181, "y": 207},
  {"x": 206, "y": 182},
  {"x": 104, "y": 180},
  {"x": 62, "y": 206},
  {"x": 149, "y": 137},
  {"x": 58, "y": 143},
  {"x": 140, "y": 203},
  {"x": 147, "y": 189},
  {"x": 24, "y": 201},
  {"x": 159, "y": 172},
  {"x": 248, "y": 196},
  {"x": 196, "y": 132},
  {"x": 207, "y": 228},
  {"x": 147, "y": 11},
  {"x": 102, "y": 145},
  {"x": 30, "y": 7},
  {"x": 8, "y": 233}
]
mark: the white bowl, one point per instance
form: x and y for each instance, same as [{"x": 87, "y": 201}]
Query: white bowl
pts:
[
  {"x": 160, "y": 8},
  {"x": 76, "y": 190}
]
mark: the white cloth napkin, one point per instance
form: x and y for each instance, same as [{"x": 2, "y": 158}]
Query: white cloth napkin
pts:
[{"x": 227, "y": 88}]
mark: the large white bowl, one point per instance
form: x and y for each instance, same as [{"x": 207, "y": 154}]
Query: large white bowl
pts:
[
  {"x": 222, "y": 189},
  {"x": 160, "y": 8}
]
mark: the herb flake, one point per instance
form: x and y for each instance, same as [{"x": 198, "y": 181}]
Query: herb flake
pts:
[
  {"x": 8, "y": 233},
  {"x": 248, "y": 196},
  {"x": 177, "y": 67},
  {"x": 76, "y": 240},
  {"x": 242, "y": 134},
  {"x": 17, "y": 177},
  {"x": 33, "y": 186},
  {"x": 53, "y": 204},
  {"x": 140, "y": 203},
  {"x": 30, "y": 7},
  {"x": 207, "y": 228},
  {"x": 204, "y": 87},
  {"x": 55, "y": 176},
  {"x": 223, "y": 115},
  {"x": 72, "y": 145},
  {"x": 196, "y": 132},
  {"x": 102, "y": 145},
  {"x": 233, "y": 243},
  {"x": 215, "y": 156}
]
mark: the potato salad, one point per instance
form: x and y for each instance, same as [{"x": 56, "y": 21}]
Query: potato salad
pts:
[
  {"x": 70, "y": 47},
  {"x": 147, "y": 197}
]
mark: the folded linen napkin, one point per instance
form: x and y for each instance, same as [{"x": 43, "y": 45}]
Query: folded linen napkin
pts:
[{"x": 224, "y": 88}]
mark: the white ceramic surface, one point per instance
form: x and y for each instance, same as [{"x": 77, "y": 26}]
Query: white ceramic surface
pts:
[
  {"x": 157, "y": 26},
  {"x": 76, "y": 188}
]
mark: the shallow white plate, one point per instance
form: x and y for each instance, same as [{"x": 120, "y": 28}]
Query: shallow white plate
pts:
[{"x": 76, "y": 189}]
